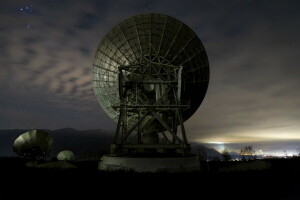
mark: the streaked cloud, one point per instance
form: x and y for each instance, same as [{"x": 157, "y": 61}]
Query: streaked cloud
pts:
[{"x": 252, "y": 47}]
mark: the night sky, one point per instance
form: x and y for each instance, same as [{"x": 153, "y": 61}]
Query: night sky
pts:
[{"x": 47, "y": 49}]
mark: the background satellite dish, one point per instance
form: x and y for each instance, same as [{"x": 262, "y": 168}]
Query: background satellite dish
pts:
[
  {"x": 66, "y": 155},
  {"x": 150, "y": 39},
  {"x": 35, "y": 144}
]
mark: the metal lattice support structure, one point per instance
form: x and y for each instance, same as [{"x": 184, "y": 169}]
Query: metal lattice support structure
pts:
[{"x": 151, "y": 74}]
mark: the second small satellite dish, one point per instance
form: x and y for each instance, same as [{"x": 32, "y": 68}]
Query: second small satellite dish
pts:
[{"x": 66, "y": 155}]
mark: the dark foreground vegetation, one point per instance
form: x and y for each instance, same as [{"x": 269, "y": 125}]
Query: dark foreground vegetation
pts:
[{"x": 260, "y": 179}]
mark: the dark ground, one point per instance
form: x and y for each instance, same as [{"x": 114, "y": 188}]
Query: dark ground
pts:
[{"x": 225, "y": 180}]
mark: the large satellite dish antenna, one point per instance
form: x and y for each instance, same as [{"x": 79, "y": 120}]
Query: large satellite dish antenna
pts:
[{"x": 150, "y": 74}]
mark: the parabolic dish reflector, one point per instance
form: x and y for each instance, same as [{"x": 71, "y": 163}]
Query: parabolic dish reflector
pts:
[
  {"x": 33, "y": 140},
  {"x": 65, "y": 155},
  {"x": 151, "y": 38}
]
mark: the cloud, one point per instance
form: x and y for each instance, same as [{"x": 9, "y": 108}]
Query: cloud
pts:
[
  {"x": 47, "y": 72},
  {"x": 251, "y": 84},
  {"x": 252, "y": 47},
  {"x": 87, "y": 21}
]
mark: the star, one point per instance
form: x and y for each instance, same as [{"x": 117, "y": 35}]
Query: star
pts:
[{"x": 27, "y": 9}]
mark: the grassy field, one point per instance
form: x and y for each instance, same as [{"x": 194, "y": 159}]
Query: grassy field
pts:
[{"x": 260, "y": 179}]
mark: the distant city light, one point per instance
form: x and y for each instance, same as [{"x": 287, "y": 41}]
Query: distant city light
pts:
[
  {"x": 219, "y": 146},
  {"x": 216, "y": 142}
]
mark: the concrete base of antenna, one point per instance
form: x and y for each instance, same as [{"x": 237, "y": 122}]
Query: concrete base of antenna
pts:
[{"x": 151, "y": 164}]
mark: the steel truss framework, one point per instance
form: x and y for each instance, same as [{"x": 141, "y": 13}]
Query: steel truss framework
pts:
[{"x": 136, "y": 105}]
